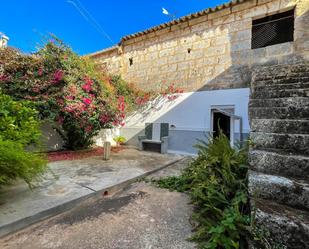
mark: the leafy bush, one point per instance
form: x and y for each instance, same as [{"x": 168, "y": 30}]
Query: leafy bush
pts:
[
  {"x": 18, "y": 121},
  {"x": 19, "y": 127},
  {"x": 65, "y": 88},
  {"x": 217, "y": 183},
  {"x": 16, "y": 163}
]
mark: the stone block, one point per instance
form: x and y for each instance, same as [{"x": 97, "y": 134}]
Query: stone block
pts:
[
  {"x": 286, "y": 143},
  {"x": 279, "y": 164},
  {"x": 280, "y": 49},
  {"x": 280, "y": 126},
  {"x": 241, "y": 45},
  {"x": 287, "y": 226},
  {"x": 280, "y": 189}
]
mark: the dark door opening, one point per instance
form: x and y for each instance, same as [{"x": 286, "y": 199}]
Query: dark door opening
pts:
[{"x": 221, "y": 122}]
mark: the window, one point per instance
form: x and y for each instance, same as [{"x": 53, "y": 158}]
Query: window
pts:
[
  {"x": 274, "y": 29},
  {"x": 131, "y": 61}
]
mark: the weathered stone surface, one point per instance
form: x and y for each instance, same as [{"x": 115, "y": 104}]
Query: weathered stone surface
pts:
[
  {"x": 279, "y": 164},
  {"x": 279, "y": 117},
  {"x": 280, "y": 126},
  {"x": 282, "y": 190},
  {"x": 223, "y": 37},
  {"x": 287, "y": 225},
  {"x": 290, "y": 112},
  {"x": 298, "y": 144},
  {"x": 282, "y": 93},
  {"x": 280, "y": 102},
  {"x": 274, "y": 86}
]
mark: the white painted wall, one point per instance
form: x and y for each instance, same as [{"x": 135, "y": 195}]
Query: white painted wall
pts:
[{"x": 192, "y": 110}]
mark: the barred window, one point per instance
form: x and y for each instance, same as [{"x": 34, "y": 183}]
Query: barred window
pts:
[{"x": 274, "y": 29}]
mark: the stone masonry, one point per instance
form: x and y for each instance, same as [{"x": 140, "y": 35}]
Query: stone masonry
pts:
[
  {"x": 279, "y": 156},
  {"x": 207, "y": 50}
]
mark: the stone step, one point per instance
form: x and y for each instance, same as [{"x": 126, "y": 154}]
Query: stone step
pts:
[
  {"x": 282, "y": 93},
  {"x": 279, "y": 164},
  {"x": 297, "y": 144},
  {"x": 270, "y": 81},
  {"x": 280, "y": 126},
  {"x": 276, "y": 87},
  {"x": 290, "y": 112},
  {"x": 283, "y": 68},
  {"x": 283, "y": 190},
  {"x": 266, "y": 72},
  {"x": 280, "y": 102},
  {"x": 286, "y": 225}
]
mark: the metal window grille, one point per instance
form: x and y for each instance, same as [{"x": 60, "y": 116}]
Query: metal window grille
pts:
[{"x": 274, "y": 29}]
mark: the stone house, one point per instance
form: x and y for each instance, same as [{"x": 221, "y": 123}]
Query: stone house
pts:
[{"x": 210, "y": 54}]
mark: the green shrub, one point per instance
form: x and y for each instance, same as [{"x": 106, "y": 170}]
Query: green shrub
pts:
[
  {"x": 19, "y": 127},
  {"x": 16, "y": 163},
  {"x": 18, "y": 121},
  {"x": 217, "y": 183}
]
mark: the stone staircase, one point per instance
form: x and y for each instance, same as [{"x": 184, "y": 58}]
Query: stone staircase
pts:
[{"x": 279, "y": 155}]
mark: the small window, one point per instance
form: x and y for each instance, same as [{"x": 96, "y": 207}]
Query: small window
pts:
[
  {"x": 274, "y": 29},
  {"x": 131, "y": 61}
]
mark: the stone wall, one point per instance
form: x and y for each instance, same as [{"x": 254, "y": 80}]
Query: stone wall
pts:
[{"x": 212, "y": 51}]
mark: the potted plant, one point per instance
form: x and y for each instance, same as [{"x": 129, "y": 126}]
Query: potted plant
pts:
[{"x": 120, "y": 140}]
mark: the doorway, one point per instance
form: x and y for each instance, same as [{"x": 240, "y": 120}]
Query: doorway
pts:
[{"x": 221, "y": 122}]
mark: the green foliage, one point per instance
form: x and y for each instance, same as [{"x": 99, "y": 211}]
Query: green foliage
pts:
[
  {"x": 16, "y": 163},
  {"x": 18, "y": 121},
  {"x": 65, "y": 88},
  {"x": 19, "y": 127},
  {"x": 217, "y": 183}
]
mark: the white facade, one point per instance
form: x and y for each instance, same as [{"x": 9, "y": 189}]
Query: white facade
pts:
[{"x": 190, "y": 116}]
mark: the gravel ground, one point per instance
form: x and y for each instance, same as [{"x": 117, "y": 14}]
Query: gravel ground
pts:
[{"x": 141, "y": 216}]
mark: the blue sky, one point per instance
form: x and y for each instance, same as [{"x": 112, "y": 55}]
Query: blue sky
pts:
[{"x": 26, "y": 22}]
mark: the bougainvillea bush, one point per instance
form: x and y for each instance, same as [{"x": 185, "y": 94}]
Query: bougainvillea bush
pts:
[
  {"x": 65, "y": 88},
  {"x": 19, "y": 128}
]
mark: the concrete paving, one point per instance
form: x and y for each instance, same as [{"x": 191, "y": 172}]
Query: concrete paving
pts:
[
  {"x": 140, "y": 217},
  {"x": 67, "y": 183}
]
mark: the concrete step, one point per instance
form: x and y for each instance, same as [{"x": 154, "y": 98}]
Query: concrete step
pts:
[
  {"x": 297, "y": 144},
  {"x": 279, "y": 112},
  {"x": 271, "y": 87},
  {"x": 283, "y": 190},
  {"x": 280, "y": 102},
  {"x": 280, "y": 126},
  {"x": 287, "y": 226},
  {"x": 282, "y": 93},
  {"x": 279, "y": 164}
]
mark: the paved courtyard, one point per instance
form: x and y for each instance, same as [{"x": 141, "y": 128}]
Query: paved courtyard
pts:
[
  {"x": 140, "y": 217},
  {"x": 68, "y": 182}
]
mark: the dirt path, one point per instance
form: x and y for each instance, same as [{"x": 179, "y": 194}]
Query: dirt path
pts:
[{"x": 141, "y": 216}]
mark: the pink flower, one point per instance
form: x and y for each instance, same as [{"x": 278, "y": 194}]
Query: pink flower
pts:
[
  {"x": 40, "y": 71},
  {"x": 87, "y": 87},
  {"x": 58, "y": 75},
  {"x": 104, "y": 119},
  {"x": 70, "y": 97},
  {"x": 87, "y": 101},
  {"x": 88, "y": 80}
]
